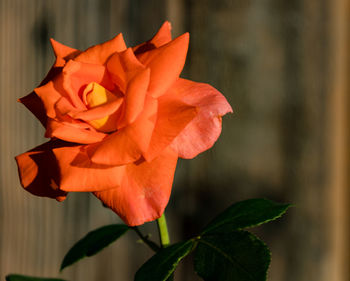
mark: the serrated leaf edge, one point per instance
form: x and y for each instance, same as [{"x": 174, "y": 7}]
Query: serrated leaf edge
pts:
[
  {"x": 211, "y": 229},
  {"x": 234, "y": 261},
  {"x": 199, "y": 240},
  {"x": 179, "y": 259},
  {"x": 174, "y": 265}
]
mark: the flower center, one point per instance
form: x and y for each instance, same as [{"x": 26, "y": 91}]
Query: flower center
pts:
[{"x": 94, "y": 96}]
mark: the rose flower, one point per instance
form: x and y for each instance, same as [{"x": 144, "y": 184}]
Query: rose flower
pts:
[{"x": 118, "y": 119}]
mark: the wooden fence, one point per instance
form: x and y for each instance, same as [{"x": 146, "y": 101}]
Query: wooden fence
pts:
[{"x": 283, "y": 66}]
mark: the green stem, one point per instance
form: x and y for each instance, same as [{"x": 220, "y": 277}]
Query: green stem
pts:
[
  {"x": 163, "y": 231},
  {"x": 164, "y": 237},
  {"x": 145, "y": 240}
]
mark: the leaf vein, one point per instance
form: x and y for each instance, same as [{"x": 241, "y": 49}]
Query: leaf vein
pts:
[{"x": 233, "y": 261}]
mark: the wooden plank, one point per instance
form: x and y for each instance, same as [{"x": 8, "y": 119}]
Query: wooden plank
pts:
[
  {"x": 339, "y": 121},
  {"x": 269, "y": 58}
]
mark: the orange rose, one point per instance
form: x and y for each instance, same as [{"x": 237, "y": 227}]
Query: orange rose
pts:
[{"x": 118, "y": 119}]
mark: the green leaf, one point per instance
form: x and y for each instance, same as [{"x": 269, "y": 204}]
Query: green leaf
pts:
[
  {"x": 244, "y": 214},
  {"x": 94, "y": 242},
  {"x": 235, "y": 256},
  {"x": 163, "y": 263},
  {"x": 17, "y": 277}
]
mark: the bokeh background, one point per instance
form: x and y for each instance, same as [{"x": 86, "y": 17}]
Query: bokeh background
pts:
[{"x": 284, "y": 68}]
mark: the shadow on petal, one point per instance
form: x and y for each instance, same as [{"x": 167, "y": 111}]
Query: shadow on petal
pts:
[{"x": 39, "y": 172}]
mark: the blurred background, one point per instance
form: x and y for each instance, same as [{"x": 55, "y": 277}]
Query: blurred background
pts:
[{"x": 284, "y": 68}]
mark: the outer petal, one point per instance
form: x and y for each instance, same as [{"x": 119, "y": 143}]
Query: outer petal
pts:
[
  {"x": 166, "y": 64},
  {"x": 78, "y": 173},
  {"x": 162, "y": 37},
  {"x": 204, "y": 130},
  {"x": 144, "y": 191},
  {"x": 173, "y": 116},
  {"x": 39, "y": 173},
  {"x": 32, "y": 100},
  {"x": 63, "y": 53},
  {"x": 50, "y": 93},
  {"x": 36, "y": 106},
  {"x": 72, "y": 132},
  {"x": 100, "y": 53},
  {"x": 127, "y": 145},
  {"x": 61, "y": 50}
]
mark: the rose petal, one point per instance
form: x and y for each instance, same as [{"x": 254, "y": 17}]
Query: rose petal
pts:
[
  {"x": 173, "y": 116},
  {"x": 72, "y": 133},
  {"x": 65, "y": 112},
  {"x": 63, "y": 53},
  {"x": 166, "y": 64},
  {"x": 122, "y": 67},
  {"x": 100, "y": 53},
  {"x": 33, "y": 102},
  {"x": 135, "y": 97},
  {"x": 64, "y": 107},
  {"x": 98, "y": 112},
  {"x": 203, "y": 131},
  {"x": 50, "y": 94},
  {"x": 38, "y": 171},
  {"x": 61, "y": 50},
  {"x": 36, "y": 106},
  {"x": 78, "y": 173},
  {"x": 127, "y": 145},
  {"x": 76, "y": 75},
  {"x": 162, "y": 37},
  {"x": 144, "y": 191}
]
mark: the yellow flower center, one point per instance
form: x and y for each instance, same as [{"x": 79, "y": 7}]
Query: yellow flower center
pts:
[{"x": 95, "y": 95}]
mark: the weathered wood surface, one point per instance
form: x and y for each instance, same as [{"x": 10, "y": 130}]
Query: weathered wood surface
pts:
[{"x": 272, "y": 59}]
